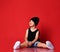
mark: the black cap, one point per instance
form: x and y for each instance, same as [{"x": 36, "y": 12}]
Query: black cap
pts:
[{"x": 35, "y": 20}]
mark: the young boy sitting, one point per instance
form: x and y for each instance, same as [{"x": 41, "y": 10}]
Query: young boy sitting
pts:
[{"x": 32, "y": 37}]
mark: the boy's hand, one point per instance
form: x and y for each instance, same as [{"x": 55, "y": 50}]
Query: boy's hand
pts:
[{"x": 30, "y": 43}]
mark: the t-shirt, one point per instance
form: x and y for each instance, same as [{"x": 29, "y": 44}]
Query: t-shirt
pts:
[{"x": 31, "y": 35}]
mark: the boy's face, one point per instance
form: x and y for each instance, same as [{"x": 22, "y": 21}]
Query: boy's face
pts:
[{"x": 31, "y": 23}]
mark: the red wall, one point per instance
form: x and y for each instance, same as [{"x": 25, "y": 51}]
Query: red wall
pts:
[{"x": 15, "y": 15}]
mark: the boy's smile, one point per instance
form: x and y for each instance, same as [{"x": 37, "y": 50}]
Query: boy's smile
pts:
[{"x": 31, "y": 23}]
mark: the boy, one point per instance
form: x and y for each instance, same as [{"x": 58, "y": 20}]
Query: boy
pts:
[{"x": 32, "y": 37}]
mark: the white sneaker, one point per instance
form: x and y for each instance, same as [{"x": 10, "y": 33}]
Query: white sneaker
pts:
[
  {"x": 49, "y": 45},
  {"x": 16, "y": 45}
]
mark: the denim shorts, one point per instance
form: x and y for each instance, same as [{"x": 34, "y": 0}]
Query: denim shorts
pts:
[{"x": 34, "y": 44}]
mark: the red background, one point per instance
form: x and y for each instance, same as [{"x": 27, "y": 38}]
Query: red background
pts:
[{"x": 15, "y": 15}]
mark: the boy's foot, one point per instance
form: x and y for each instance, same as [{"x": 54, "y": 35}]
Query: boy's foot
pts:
[
  {"x": 49, "y": 45},
  {"x": 16, "y": 45}
]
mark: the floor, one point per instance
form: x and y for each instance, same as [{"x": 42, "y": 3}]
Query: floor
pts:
[{"x": 33, "y": 50}]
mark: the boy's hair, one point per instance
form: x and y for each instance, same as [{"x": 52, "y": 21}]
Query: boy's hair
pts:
[{"x": 35, "y": 20}]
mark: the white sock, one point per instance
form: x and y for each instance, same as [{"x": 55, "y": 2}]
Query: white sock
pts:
[
  {"x": 49, "y": 45},
  {"x": 16, "y": 45}
]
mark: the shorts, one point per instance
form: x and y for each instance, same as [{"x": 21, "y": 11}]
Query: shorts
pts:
[{"x": 34, "y": 44}]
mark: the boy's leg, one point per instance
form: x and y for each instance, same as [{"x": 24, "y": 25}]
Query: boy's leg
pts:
[
  {"x": 41, "y": 45},
  {"x": 48, "y": 45},
  {"x": 17, "y": 45},
  {"x": 24, "y": 44}
]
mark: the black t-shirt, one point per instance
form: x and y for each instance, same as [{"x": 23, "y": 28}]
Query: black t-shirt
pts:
[{"x": 31, "y": 35}]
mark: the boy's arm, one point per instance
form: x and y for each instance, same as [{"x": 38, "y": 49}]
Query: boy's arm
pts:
[
  {"x": 36, "y": 37},
  {"x": 26, "y": 35}
]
